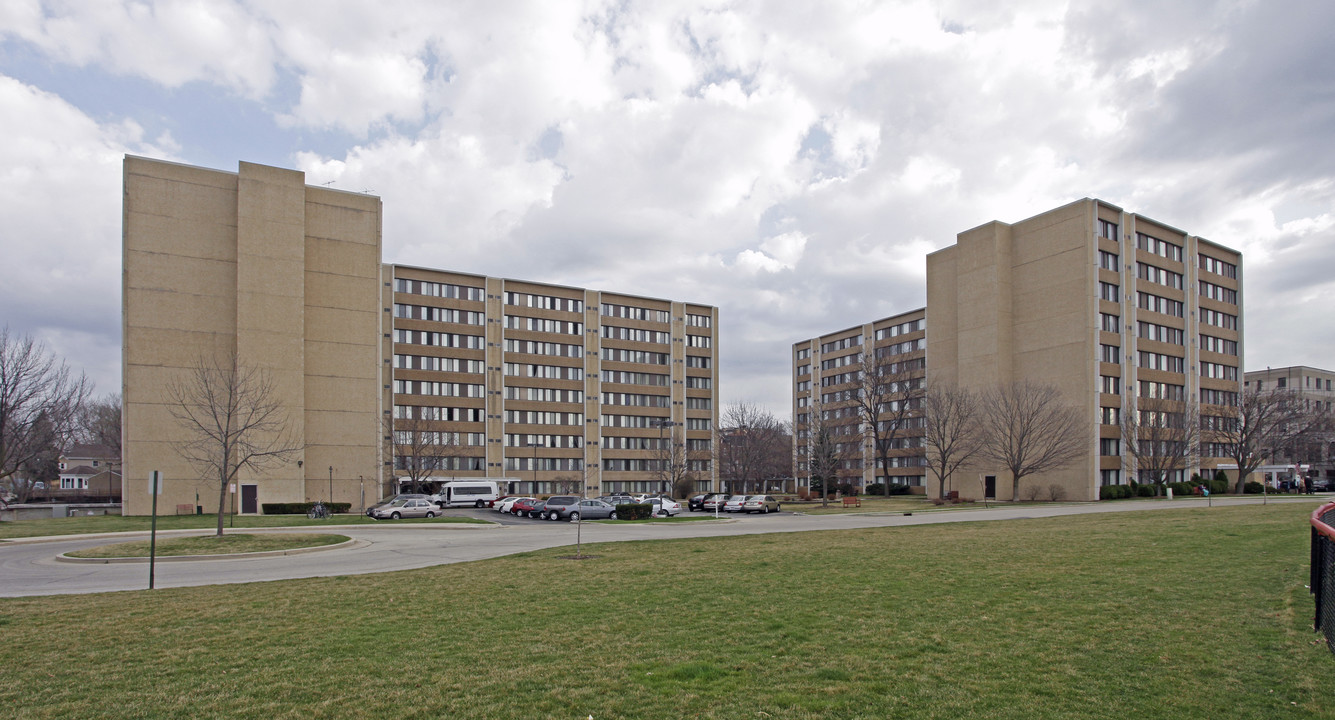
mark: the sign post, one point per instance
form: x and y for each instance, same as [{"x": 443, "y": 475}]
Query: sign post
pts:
[{"x": 155, "y": 489}]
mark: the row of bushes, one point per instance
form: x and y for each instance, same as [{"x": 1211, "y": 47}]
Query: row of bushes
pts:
[
  {"x": 879, "y": 489},
  {"x": 301, "y": 508},
  {"x": 634, "y": 511},
  {"x": 1218, "y": 486}
]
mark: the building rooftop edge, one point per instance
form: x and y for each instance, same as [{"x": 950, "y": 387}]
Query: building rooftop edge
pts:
[{"x": 547, "y": 284}]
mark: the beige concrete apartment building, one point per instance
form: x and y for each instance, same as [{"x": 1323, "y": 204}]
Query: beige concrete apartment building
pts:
[
  {"x": 553, "y": 388},
  {"x": 529, "y": 381},
  {"x": 1106, "y": 305},
  {"x": 1316, "y": 387},
  {"x": 826, "y": 373}
]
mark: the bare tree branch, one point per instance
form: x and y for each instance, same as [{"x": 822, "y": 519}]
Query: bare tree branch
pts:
[
  {"x": 419, "y": 444},
  {"x": 755, "y": 447},
  {"x": 952, "y": 433},
  {"x": 1028, "y": 429},
  {"x": 234, "y": 421},
  {"x": 1161, "y": 437},
  {"x": 888, "y": 398},
  {"x": 40, "y": 403},
  {"x": 1263, "y": 423}
]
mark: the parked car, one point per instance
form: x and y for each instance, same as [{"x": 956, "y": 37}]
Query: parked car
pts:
[
  {"x": 525, "y": 507},
  {"x": 505, "y": 504},
  {"x": 1321, "y": 485},
  {"x": 664, "y": 507},
  {"x": 582, "y": 510},
  {"x": 370, "y": 512},
  {"x": 734, "y": 503},
  {"x": 618, "y": 499},
  {"x": 713, "y": 501},
  {"x": 405, "y": 508},
  {"x": 558, "y": 506},
  {"x": 761, "y": 504},
  {"x": 696, "y": 502}
]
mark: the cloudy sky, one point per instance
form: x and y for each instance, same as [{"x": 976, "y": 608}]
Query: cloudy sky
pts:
[{"x": 790, "y": 162}]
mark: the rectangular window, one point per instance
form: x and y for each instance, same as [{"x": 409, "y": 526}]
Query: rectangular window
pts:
[
  {"x": 1156, "y": 274},
  {"x": 1160, "y": 361},
  {"x": 699, "y": 341},
  {"x": 1155, "y": 303},
  {"x": 1110, "y": 354},
  {"x": 696, "y": 320},
  {"x": 1110, "y": 446},
  {"x": 1110, "y": 292},
  {"x": 626, "y": 377},
  {"x": 1110, "y": 323},
  {"x": 695, "y": 361},
  {"x": 1218, "y": 267},
  {"x": 1162, "y": 248},
  {"x": 1219, "y": 345},
  {"x": 638, "y": 313},
  {"x": 1218, "y": 292},
  {"x": 1108, "y": 229},
  {"x": 1108, "y": 260},
  {"x": 803, "y": 353},
  {"x": 636, "y": 356},
  {"x": 1110, "y": 416},
  {"x": 1110, "y": 477},
  {"x": 1110, "y": 384},
  {"x": 442, "y": 290},
  {"x": 544, "y": 302}
]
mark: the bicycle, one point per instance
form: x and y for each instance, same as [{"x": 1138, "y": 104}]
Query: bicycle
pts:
[{"x": 318, "y": 511}]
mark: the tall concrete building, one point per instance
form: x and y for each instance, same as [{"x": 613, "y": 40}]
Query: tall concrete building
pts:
[
  {"x": 1316, "y": 389},
  {"x": 555, "y": 389},
  {"x": 529, "y": 382},
  {"x": 284, "y": 275},
  {"x": 826, "y": 374},
  {"x": 1106, "y": 305}
]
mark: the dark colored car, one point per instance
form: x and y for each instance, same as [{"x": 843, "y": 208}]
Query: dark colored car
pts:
[
  {"x": 708, "y": 501},
  {"x": 528, "y": 507}
]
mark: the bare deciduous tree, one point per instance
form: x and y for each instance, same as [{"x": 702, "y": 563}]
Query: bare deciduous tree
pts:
[
  {"x": 234, "y": 421},
  {"x": 888, "y": 398},
  {"x": 754, "y": 447},
  {"x": 40, "y": 403},
  {"x": 418, "y": 446},
  {"x": 1028, "y": 429},
  {"x": 1264, "y": 422},
  {"x": 823, "y": 459},
  {"x": 100, "y": 422},
  {"x": 1161, "y": 437},
  {"x": 669, "y": 459},
  {"x": 952, "y": 434}
]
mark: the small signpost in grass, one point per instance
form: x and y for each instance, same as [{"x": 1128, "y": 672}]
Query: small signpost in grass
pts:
[{"x": 154, "y": 489}]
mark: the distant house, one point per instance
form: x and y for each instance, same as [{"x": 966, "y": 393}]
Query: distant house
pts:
[{"x": 89, "y": 471}]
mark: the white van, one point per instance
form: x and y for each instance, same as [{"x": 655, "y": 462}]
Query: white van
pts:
[{"x": 463, "y": 493}]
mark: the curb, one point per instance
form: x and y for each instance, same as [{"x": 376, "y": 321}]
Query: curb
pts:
[
  {"x": 204, "y": 531},
  {"x": 349, "y": 543}
]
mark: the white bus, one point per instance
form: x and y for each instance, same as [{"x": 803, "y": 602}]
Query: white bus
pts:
[{"x": 463, "y": 493}]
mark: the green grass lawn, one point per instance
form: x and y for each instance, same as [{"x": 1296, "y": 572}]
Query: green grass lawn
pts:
[
  {"x": 211, "y": 545},
  {"x": 117, "y": 523},
  {"x": 1197, "y": 613}
]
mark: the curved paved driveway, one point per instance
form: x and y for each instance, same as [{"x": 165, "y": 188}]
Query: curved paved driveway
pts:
[{"x": 29, "y": 567}]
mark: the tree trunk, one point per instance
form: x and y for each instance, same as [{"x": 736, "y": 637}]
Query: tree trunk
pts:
[{"x": 222, "y": 498}]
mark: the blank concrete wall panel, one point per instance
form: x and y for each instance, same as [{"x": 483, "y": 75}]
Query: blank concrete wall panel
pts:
[
  {"x": 340, "y": 428},
  {"x": 204, "y": 313},
  {"x": 180, "y": 274},
  {"x": 336, "y": 393},
  {"x": 342, "y": 360},
  {"x": 344, "y": 292},
  {"x": 212, "y": 238},
  {"x": 173, "y": 348},
  {"x": 333, "y": 325}
]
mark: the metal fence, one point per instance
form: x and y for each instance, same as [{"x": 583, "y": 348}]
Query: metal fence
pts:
[{"x": 1322, "y": 583}]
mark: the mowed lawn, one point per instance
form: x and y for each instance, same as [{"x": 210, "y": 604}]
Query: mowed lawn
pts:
[{"x": 1196, "y": 613}]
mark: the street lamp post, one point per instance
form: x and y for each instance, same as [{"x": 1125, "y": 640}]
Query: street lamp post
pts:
[{"x": 331, "y": 486}]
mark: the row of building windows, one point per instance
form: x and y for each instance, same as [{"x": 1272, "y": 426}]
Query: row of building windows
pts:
[
  {"x": 441, "y": 438},
  {"x": 900, "y": 348},
  {"x": 1160, "y": 361},
  {"x": 836, "y": 345},
  {"x": 439, "y": 339},
  {"x": 703, "y": 321},
  {"x": 1219, "y": 319},
  {"x": 699, "y": 383},
  {"x": 903, "y": 328},
  {"x": 439, "y": 364},
  {"x": 442, "y": 290},
  {"x": 616, "y": 332},
  {"x": 543, "y": 394},
  {"x": 700, "y": 362},
  {"x": 534, "y": 347},
  {"x": 618, "y": 442},
  {"x": 625, "y": 377},
  {"x": 1219, "y": 371},
  {"x": 1162, "y": 248},
  {"x": 438, "y": 314},
  {"x": 442, "y": 389},
  {"x": 631, "y": 312},
  {"x": 442, "y": 414},
  {"x": 841, "y": 361},
  {"x": 1218, "y": 292},
  {"x": 546, "y": 372},
  {"x": 839, "y": 378},
  {"x": 1218, "y": 267},
  {"x": 1162, "y": 391},
  {"x": 452, "y": 462},
  {"x": 1228, "y": 398},
  {"x": 538, "y": 417},
  {"x": 544, "y": 302},
  {"x": 1155, "y": 303},
  {"x": 1161, "y": 333},
  {"x": 699, "y": 341},
  {"x": 563, "y": 327},
  {"x": 550, "y": 441},
  {"x": 642, "y": 357},
  {"x": 544, "y": 463},
  {"x": 635, "y": 400},
  {"x": 1219, "y": 345},
  {"x": 1156, "y": 274}
]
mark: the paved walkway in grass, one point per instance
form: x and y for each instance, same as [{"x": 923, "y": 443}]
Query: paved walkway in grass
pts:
[{"x": 29, "y": 566}]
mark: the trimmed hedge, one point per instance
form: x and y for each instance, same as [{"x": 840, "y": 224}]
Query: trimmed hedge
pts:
[
  {"x": 634, "y": 511},
  {"x": 301, "y": 508},
  {"x": 1114, "y": 492},
  {"x": 879, "y": 489},
  {"x": 1252, "y": 488}
]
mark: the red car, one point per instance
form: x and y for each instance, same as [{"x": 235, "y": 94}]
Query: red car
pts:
[{"x": 528, "y": 507}]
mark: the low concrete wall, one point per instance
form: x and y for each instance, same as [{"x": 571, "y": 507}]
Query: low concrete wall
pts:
[{"x": 42, "y": 511}]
